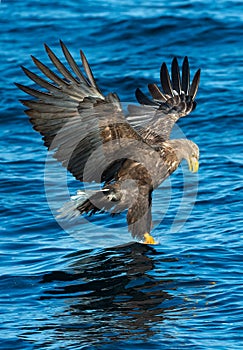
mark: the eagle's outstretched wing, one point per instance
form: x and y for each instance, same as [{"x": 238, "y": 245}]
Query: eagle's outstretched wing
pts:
[
  {"x": 155, "y": 118},
  {"x": 90, "y": 135},
  {"x": 75, "y": 119}
]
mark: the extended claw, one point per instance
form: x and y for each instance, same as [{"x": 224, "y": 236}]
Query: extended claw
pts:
[{"x": 148, "y": 239}]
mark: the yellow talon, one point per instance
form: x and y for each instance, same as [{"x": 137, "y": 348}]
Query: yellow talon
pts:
[{"x": 148, "y": 239}]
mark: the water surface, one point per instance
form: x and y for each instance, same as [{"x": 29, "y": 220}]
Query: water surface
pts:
[{"x": 88, "y": 286}]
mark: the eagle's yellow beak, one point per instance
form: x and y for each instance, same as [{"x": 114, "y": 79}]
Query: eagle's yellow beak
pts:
[{"x": 193, "y": 164}]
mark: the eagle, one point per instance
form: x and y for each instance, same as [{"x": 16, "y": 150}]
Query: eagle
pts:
[{"x": 128, "y": 154}]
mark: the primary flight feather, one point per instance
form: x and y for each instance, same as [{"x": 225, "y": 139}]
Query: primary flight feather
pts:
[{"x": 91, "y": 136}]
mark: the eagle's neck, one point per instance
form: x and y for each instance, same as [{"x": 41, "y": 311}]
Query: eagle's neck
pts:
[{"x": 182, "y": 148}]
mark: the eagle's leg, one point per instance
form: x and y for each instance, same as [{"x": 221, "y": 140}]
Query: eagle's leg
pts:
[
  {"x": 139, "y": 217},
  {"x": 148, "y": 239}
]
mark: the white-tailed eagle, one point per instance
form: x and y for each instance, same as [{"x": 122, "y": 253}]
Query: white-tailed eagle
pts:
[{"x": 129, "y": 155}]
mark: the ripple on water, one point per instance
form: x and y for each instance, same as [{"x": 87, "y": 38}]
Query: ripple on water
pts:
[{"x": 59, "y": 290}]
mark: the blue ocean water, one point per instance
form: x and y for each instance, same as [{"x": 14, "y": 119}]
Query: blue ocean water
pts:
[{"x": 88, "y": 286}]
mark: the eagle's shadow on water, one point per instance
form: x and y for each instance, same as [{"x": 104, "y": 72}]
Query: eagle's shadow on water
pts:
[{"x": 110, "y": 294}]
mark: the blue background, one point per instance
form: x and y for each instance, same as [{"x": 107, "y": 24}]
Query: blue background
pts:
[{"x": 60, "y": 292}]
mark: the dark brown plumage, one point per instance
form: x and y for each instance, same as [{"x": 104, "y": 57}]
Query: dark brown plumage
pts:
[{"x": 90, "y": 135}]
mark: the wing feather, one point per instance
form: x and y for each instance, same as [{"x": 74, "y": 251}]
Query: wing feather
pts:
[
  {"x": 175, "y": 75},
  {"x": 143, "y": 99},
  {"x": 75, "y": 119},
  {"x": 165, "y": 80},
  {"x": 73, "y": 65},
  {"x": 88, "y": 71},
  {"x": 185, "y": 76},
  {"x": 41, "y": 82},
  {"x": 155, "y": 122},
  {"x": 48, "y": 73},
  {"x": 72, "y": 89},
  {"x": 156, "y": 93},
  {"x": 42, "y": 106},
  {"x": 59, "y": 65},
  {"x": 195, "y": 84}
]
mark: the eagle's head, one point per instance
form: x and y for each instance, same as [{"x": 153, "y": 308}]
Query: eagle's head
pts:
[{"x": 188, "y": 150}]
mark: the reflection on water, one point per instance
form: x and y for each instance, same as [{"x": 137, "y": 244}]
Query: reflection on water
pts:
[
  {"x": 128, "y": 297},
  {"x": 109, "y": 296}
]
